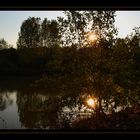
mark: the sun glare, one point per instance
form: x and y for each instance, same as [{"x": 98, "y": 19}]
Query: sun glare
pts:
[
  {"x": 92, "y": 37},
  {"x": 91, "y": 102}
]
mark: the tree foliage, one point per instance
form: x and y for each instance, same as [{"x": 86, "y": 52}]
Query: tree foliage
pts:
[
  {"x": 77, "y": 24},
  {"x": 50, "y": 33},
  {"x": 34, "y": 33},
  {"x": 4, "y": 44},
  {"x": 29, "y": 33}
]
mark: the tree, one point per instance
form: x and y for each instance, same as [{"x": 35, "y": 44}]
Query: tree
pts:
[
  {"x": 95, "y": 61},
  {"x": 78, "y": 24},
  {"x": 29, "y": 34},
  {"x": 34, "y": 34},
  {"x": 3, "y": 44},
  {"x": 98, "y": 78},
  {"x": 133, "y": 69},
  {"x": 50, "y": 33}
]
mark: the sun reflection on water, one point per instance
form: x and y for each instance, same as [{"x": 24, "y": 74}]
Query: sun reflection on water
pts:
[{"x": 91, "y": 102}]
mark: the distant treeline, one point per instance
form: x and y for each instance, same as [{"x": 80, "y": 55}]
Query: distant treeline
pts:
[
  {"x": 67, "y": 60},
  {"x": 36, "y": 61},
  {"x": 26, "y": 62}
]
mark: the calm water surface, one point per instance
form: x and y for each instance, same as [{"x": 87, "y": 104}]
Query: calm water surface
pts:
[
  {"x": 9, "y": 117},
  {"x": 21, "y": 108}
]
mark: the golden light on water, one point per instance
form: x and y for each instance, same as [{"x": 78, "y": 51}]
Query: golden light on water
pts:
[{"x": 91, "y": 102}]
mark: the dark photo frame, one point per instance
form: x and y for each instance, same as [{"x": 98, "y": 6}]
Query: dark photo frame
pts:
[{"x": 65, "y": 5}]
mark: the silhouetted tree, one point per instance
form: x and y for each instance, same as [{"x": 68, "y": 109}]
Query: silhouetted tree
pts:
[
  {"x": 49, "y": 33},
  {"x": 78, "y": 24},
  {"x": 29, "y": 35},
  {"x": 4, "y": 44}
]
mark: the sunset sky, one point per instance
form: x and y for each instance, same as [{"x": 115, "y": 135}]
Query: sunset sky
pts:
[{"x": 11, "y": 21}]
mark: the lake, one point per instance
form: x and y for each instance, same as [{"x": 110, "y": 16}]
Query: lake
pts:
[{"x": 23, "y": 108}]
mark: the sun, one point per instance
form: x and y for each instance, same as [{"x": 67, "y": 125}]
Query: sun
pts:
[
  {"x": 90, "y": 102},
  {"x": 92, "y": 37}
]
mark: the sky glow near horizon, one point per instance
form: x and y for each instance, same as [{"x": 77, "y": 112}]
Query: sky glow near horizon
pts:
[{"x": 11, "y": 21}]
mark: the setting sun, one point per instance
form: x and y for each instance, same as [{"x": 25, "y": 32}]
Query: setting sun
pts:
[
  {"x": 92, "y": 37},
  {"x": 91, "y": 102}
]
